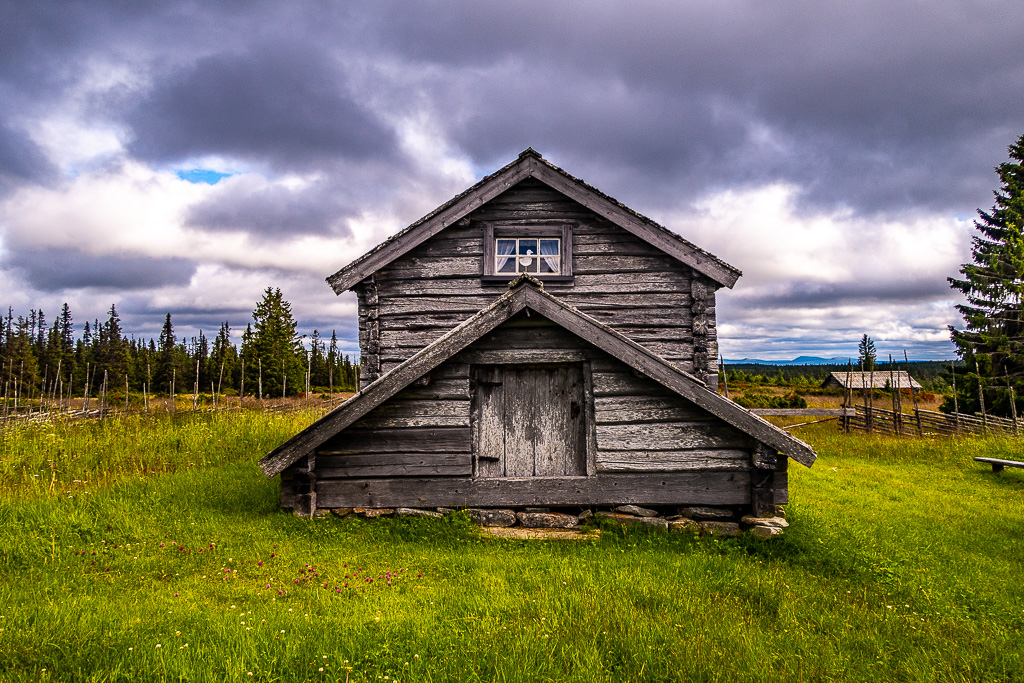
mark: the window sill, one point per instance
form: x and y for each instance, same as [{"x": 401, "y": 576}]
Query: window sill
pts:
[{"x": 505, "y": 279}]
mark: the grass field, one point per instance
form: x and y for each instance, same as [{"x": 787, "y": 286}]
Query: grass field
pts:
[{"x": 153, "y": 549}]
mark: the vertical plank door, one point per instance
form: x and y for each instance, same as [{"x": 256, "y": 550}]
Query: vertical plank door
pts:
[{"x": 530, "y": 421}]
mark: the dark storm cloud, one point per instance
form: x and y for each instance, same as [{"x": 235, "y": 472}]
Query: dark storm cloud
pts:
[
  {"x": 279, "y": 102},
  {"x": 55, "y": 269},
  {"x": 21, "y": 160},
  {"x": 880, "y": 106},
  {"x": 251, "y": 205},
  {"x": 877, "y": 105},
  {"x": 805, "y": 294}
]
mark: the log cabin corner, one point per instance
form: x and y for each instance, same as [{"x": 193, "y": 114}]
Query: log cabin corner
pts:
[{"x": 533, "y": 342}]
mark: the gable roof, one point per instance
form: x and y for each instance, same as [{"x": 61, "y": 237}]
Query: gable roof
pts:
[
  {"x": 527, "y": 292},
  {"x": 531, "y": 164},
  {"x": 879, "y": 379}
]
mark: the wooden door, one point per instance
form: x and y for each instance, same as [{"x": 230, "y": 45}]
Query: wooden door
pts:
[{"x": 529, "y": 420}]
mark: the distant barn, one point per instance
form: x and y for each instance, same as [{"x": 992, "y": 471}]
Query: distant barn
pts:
[
  {"x": 879, "y": 379},
  {"x": 534, "y": 342}
]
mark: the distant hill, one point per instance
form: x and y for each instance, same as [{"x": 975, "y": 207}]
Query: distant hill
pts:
[{"x": 802, "y": 360}]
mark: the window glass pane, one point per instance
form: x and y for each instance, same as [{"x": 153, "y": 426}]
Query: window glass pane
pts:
[
  {"x": 549, "y": 250},
  {"x": 528, "y": 256},
  {"x": 549, "y": 247},
  {"x": 549, "y": 265},
  {"x": 505, "y": 261}
]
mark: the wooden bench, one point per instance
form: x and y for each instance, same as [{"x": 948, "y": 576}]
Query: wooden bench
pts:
[{"x": 999, "y": 465}]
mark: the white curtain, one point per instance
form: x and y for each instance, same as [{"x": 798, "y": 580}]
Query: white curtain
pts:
[
  {"x": 549, "y": 250},
  {"x": 506, "y": 250}
]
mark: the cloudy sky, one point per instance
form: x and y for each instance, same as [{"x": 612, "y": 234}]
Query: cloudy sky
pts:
[{"x": 182, "y": 156}]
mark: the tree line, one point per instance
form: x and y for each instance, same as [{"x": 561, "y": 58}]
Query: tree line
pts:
[
  {"x": 932, "y": 375},
  {"x": 38, "y": 358},
  {"x": 991, "y": 343}
]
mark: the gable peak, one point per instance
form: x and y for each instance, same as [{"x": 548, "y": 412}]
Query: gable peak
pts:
[{"x": 526, "y": 279}]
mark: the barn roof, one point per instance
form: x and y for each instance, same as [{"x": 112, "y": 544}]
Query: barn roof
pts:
[
  {"x": 879, "y": 379},
  {"x": 530, "y": 164},
  {"x": 526, "y": 292}
]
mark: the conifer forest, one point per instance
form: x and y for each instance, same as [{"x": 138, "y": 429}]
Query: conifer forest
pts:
[{"x": 59, "y": 360}]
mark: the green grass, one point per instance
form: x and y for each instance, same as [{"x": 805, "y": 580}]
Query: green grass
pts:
[{"x": 903, "y": 562}]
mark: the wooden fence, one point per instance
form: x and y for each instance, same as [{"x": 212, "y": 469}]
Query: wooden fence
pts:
[
  {"x": 925, "y": 423},
  {"x": 27, "y": 414}
]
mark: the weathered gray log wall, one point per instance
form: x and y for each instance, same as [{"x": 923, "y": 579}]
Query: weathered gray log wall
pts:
[
  {"x": 619, "y": 280},
  {"x": 642, "y": 427},
  {"x": 644, "y": 444}
]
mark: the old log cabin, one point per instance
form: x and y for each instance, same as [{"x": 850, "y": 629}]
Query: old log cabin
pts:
[{"x": 534, "y": 342}]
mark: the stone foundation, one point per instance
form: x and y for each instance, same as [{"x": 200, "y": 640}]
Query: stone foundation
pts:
[{"x": 703, "y": 521}]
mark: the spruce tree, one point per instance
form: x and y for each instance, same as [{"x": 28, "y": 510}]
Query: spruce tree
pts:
[
  {"x": 275, "y": 347},
  {"x": 866, "y": 354},
  {"x": 112, "y": 349},
  {"x": 167, "y": 359},
  {"x": 992, "y": 341}
]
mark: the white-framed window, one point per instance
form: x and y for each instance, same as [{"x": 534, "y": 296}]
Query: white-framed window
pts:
[
  {"x": 543, "y": 250},
  {"x": 537, "y": 255}
]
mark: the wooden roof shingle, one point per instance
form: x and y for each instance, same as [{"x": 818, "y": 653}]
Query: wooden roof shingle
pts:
[{"x": 879, "y": 379}]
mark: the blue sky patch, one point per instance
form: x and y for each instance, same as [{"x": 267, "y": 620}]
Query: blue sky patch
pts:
[{"x": 202, "y": 175}]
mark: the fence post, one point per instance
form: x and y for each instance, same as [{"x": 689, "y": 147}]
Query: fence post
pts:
[
  {"x": 913, "y": 395},
  {"x": 981, "y": 397}
]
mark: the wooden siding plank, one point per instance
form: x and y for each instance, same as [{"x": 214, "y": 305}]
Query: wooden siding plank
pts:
[
  {"x": 441, "y": 389},
  {"x": 671, "y": 461},
  {"x": 641, "y": 409},
  {"x": 394, "y": 465},
  {"x": 411, "y": 440},
  {"x": 681, "y": 488},
  {"x": 622, "y": 384},
  {"x": 669, "y": 436},
  {"x": 584, "y": 283},
  {"x": 521, "y": 356},
  {"x": 469, "y": 303},
  {"x": 409, "y": 421}
]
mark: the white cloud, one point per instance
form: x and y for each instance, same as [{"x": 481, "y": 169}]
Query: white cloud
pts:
[
  {"x": 763, "y": 232},
  {"x": 817, "y": 280}
]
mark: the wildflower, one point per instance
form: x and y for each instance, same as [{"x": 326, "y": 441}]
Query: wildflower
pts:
[{"x": 158, "y": 645}]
